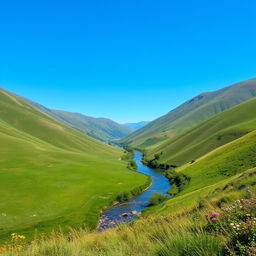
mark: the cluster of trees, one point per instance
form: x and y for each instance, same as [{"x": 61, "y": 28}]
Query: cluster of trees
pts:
[
  {"x": 155, "y": 163},
  {"x": 129, "y": 154},
  {"x": 178, "y": 180}
]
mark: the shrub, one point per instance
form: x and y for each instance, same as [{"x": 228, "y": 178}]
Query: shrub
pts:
[
  {"x": 157, "y": 198},
  {"x": 124, "y": 196},
  {"x": 132, "y": 165},
  {"x": 178, "y": 180}
]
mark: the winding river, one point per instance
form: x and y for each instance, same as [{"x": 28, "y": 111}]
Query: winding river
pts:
[{"x": 130, "y": 210}]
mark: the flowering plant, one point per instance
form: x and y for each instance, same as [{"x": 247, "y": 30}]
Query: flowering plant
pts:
[{"x": 238, "y": 223}]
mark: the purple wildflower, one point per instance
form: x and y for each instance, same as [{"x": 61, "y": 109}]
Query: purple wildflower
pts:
[{"x": 215, "y": 214}]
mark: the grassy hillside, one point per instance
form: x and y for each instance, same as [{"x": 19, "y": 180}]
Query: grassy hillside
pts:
[
  {"x": 215, "y": 132},
  {"x": 212, "y": 171},
  {"x": 190, "y": 114},
  {"x": 99, "y": 128},
  {"x": 51, "y": 174}
]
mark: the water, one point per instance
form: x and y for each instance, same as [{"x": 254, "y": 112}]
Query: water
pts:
[{"x": 123, "y": 212}]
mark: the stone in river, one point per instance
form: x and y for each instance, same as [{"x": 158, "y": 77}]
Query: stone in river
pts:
[{"x": 136, "y": 213}]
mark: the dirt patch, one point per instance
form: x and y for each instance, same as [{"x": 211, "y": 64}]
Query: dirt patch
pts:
[
  {"x": 11, "y": 97},
  {"x": 103, "y": 197},
  {"x": 51, "y": 125}
]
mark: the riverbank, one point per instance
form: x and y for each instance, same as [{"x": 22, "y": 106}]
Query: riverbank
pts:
[{"x": 130, "y": 209}]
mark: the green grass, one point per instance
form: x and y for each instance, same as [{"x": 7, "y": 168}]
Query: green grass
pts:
[
  {"x": 190, "y": 114},
  {"x": 159, "y": 237},
  {"x": 52, "y": 175},
  {"x": 168, "y": 234},
  {"x": 224, "y": 162}
]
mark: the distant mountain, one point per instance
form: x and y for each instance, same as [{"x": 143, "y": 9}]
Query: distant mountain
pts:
[
  {"x": 99, "y": 128},
  {"x": 190, "y": 114},
  {"x": 137, "y": 126}
]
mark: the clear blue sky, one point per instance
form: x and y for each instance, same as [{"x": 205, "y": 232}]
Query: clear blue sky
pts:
[{"x": 128, "y": 60}]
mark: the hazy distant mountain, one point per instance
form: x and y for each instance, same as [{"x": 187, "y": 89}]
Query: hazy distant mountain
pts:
[
  {"x": 138, "y": 125},
  {"x": 99, "y": 128}
]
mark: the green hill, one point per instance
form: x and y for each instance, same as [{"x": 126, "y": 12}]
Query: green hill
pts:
[
  {"x": 51, "y": 174},
  {"x": 102, "y": 129},
  {"x": 190, "y": 114},
  {"x": 217, "y": 131},
  {"x": 211, "y": 172}
]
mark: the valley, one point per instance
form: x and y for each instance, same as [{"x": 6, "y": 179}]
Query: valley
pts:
[
  {"x": 200, "y": 158},
  {"x": 128, "y": 128}
]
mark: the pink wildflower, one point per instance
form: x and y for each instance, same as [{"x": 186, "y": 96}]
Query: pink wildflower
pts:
[{"x": 215, "y": 214}]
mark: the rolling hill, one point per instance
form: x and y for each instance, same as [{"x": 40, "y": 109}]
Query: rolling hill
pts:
[
  {"x": 102, "y": 129},
  {"x": 190, "y": 114},
  {"x": 213, "y": 133},
  {"x": 52, "y": 175}
]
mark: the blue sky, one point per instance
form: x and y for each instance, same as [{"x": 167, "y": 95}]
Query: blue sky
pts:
[{"x": 128, "y": 60}]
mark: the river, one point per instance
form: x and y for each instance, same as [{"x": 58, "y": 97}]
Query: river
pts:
[{"x": 123, "y": 212}]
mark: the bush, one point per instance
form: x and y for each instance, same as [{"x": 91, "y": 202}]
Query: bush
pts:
[
  {"x": 157, "y": 198},
  {"x": 132, "y": 165},
  {"x": 178, "y": 180},
  {"x": 125, "y": 196}
]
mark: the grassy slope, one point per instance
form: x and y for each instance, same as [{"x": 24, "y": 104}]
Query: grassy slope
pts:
[
  {"x": 217, "y": 131},
  {"x": 190, "y": 114},
  {"x": 212, "y": 171},
  {"x": 51, "y": 174},
  {"x": 100, "y": 128}
]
